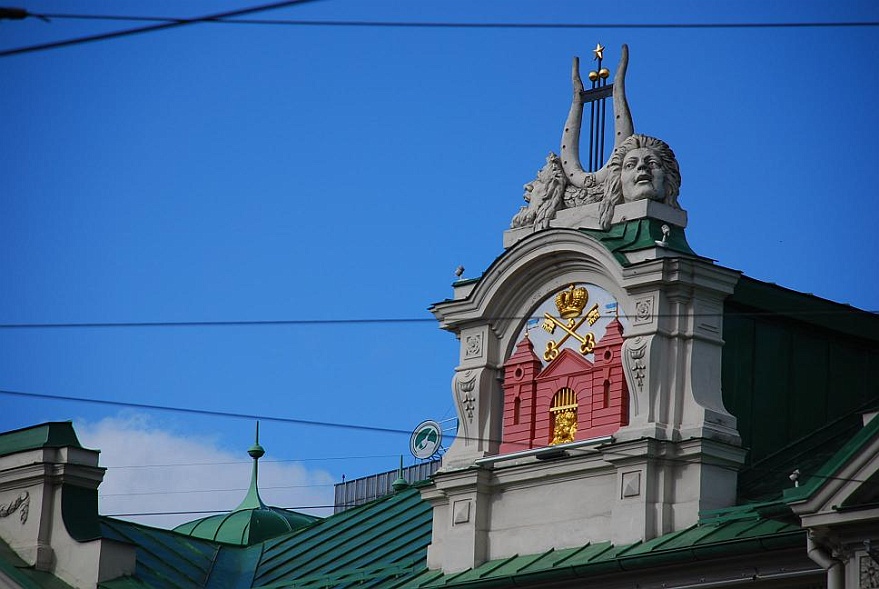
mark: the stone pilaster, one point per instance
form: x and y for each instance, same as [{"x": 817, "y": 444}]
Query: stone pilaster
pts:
[
  {"x": 673, "y": 347},
  {"x": 461, "y": 519},
  {"x": 662, "y": 486}
]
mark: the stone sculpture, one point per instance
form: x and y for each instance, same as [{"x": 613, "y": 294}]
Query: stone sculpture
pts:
[
  {"x": 640, "y": 167},
  {"x": 544, "y": 195}
]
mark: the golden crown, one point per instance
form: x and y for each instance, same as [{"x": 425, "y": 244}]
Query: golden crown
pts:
[{"x": 571, "y": 302}]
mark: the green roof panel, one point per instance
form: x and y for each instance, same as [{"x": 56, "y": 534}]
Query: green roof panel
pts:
[
  {"x": 371, "y": 545},
  {"x": 26, "y": 577},
  {"x": 55, "y": 434},
  {"x": 165, "y": 559}
]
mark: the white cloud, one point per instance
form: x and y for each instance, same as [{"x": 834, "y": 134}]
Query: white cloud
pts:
[{"x": 194, "y": 474}]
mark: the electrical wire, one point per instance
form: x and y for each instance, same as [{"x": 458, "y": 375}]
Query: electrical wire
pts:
[
  {"x": 192, "y": 491},
  {"x": 453, "y": 25},
  {"x": 295, "y": 508},
  {"x": 190, "y": 411},
  {"x": 230, "y": 18},
  {"x": 604, "y": 451},
  {"x": 262, "y": 461},
  {"x": 843, "y": 310},
  {"x": 150, "y": 28},
  {"x": 230, "y": 323}
]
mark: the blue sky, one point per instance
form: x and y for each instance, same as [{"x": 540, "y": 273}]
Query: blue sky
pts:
[{"x": 238, "y": 172}]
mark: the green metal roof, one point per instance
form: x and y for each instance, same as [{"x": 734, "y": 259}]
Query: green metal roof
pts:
[
  {"x": 246, "y": 526},
  {"x": 165, "y": 559},
  {"x": 376, "y": 545},
  {"x": 742, "y": 531},
  {"x": 796, "y": 372},
  {"x": 252, "y": 521},
  {"x": 830, "y": 468},
  {"x": 768, "y": 297},
  {"x": 640, "y": 234},
  {"x": 26, "y": 576},
  {"x": 384, "y": 544},
  {"x": 767, "y": 479},
  {"x": 55, "y": 434},
  {"x": 380, "y": 544}
]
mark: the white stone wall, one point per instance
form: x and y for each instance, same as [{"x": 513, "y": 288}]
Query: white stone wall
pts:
[
  {"x": 37, "y": 533},
  {"x": 678, "y": 455}
]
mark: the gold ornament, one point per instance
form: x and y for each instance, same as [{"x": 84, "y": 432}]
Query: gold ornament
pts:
[
  {"x": 564, "y": 414},
  {"x": 571, "y": 302}
]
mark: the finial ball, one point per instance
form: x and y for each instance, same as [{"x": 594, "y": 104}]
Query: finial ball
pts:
[
  {"x": 603, "y": 73},
  {"x": 593, "y": 75},
  {"x": 256, "y": 451}
]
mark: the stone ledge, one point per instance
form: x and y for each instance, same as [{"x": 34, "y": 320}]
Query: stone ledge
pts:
[{"x": 586, "y": 217}]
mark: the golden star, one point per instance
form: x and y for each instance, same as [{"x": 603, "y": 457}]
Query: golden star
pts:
[{"x": 598, "y": 51}]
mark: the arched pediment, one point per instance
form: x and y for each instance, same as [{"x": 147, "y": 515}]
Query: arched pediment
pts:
[{"x": 525, "y": 275}]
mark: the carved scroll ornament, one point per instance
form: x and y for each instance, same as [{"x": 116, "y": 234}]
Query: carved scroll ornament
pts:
[{"x": 20, "y": 504}]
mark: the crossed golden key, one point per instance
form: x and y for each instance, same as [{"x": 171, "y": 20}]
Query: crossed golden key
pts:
[{"x": 587, "y": 342}]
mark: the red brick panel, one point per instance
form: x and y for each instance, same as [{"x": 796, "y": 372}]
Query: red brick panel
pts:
[{"x": 532, "y": 387}]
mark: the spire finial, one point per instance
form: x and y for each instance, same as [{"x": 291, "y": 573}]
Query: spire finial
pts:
[
  {"x": 252, "y": 500},
  {"x": 256, "y": 451}
]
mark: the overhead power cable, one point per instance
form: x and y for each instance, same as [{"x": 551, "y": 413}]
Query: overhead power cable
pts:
[
  {"x": 202, "y": 491},
  {"x": 166, "y": 24},
  {"x": 295, "y": 421},
  {"x": 841, "y": 311},
  {"x": 231, "y": 17},
  {"x": 201, "y": 512},
  {"x": 262, "y": 461},
  {"x": 20, "y": 13},
  {"x": 243, "y": 323},
  {"x": 274, "y": 418}
]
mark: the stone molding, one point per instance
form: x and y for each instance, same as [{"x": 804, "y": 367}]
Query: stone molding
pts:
[
  {"x": 42, "y": 539},
  {"x": 521, "y": 506},
  {"x": 587, "y": 217}
]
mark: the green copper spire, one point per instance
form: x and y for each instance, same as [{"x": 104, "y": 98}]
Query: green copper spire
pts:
[
  {"x": 252, "y": 500},
  {"x": 252, "y": 521}
]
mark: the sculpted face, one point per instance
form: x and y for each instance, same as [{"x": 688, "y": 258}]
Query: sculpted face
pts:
[{"x": 642, "y": 175}]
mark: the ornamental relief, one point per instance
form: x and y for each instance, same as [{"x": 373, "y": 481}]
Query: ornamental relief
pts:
[
  {"x": 20, "y": 504},
  {"x": 473, "y": 346},
  {"x": 575, "y": 316},
  {"x": 465, "y": 385},
  {"x": 868, "y": 573},
  {"x": 636, "y": 361},
  {"x": 643, "y": 311}
]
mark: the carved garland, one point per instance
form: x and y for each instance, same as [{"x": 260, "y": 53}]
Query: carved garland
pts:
[
  {"x": 636, "y": 362},
  {"x": 466, "y": 386},
  {"x": 20, "y": 503}
]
